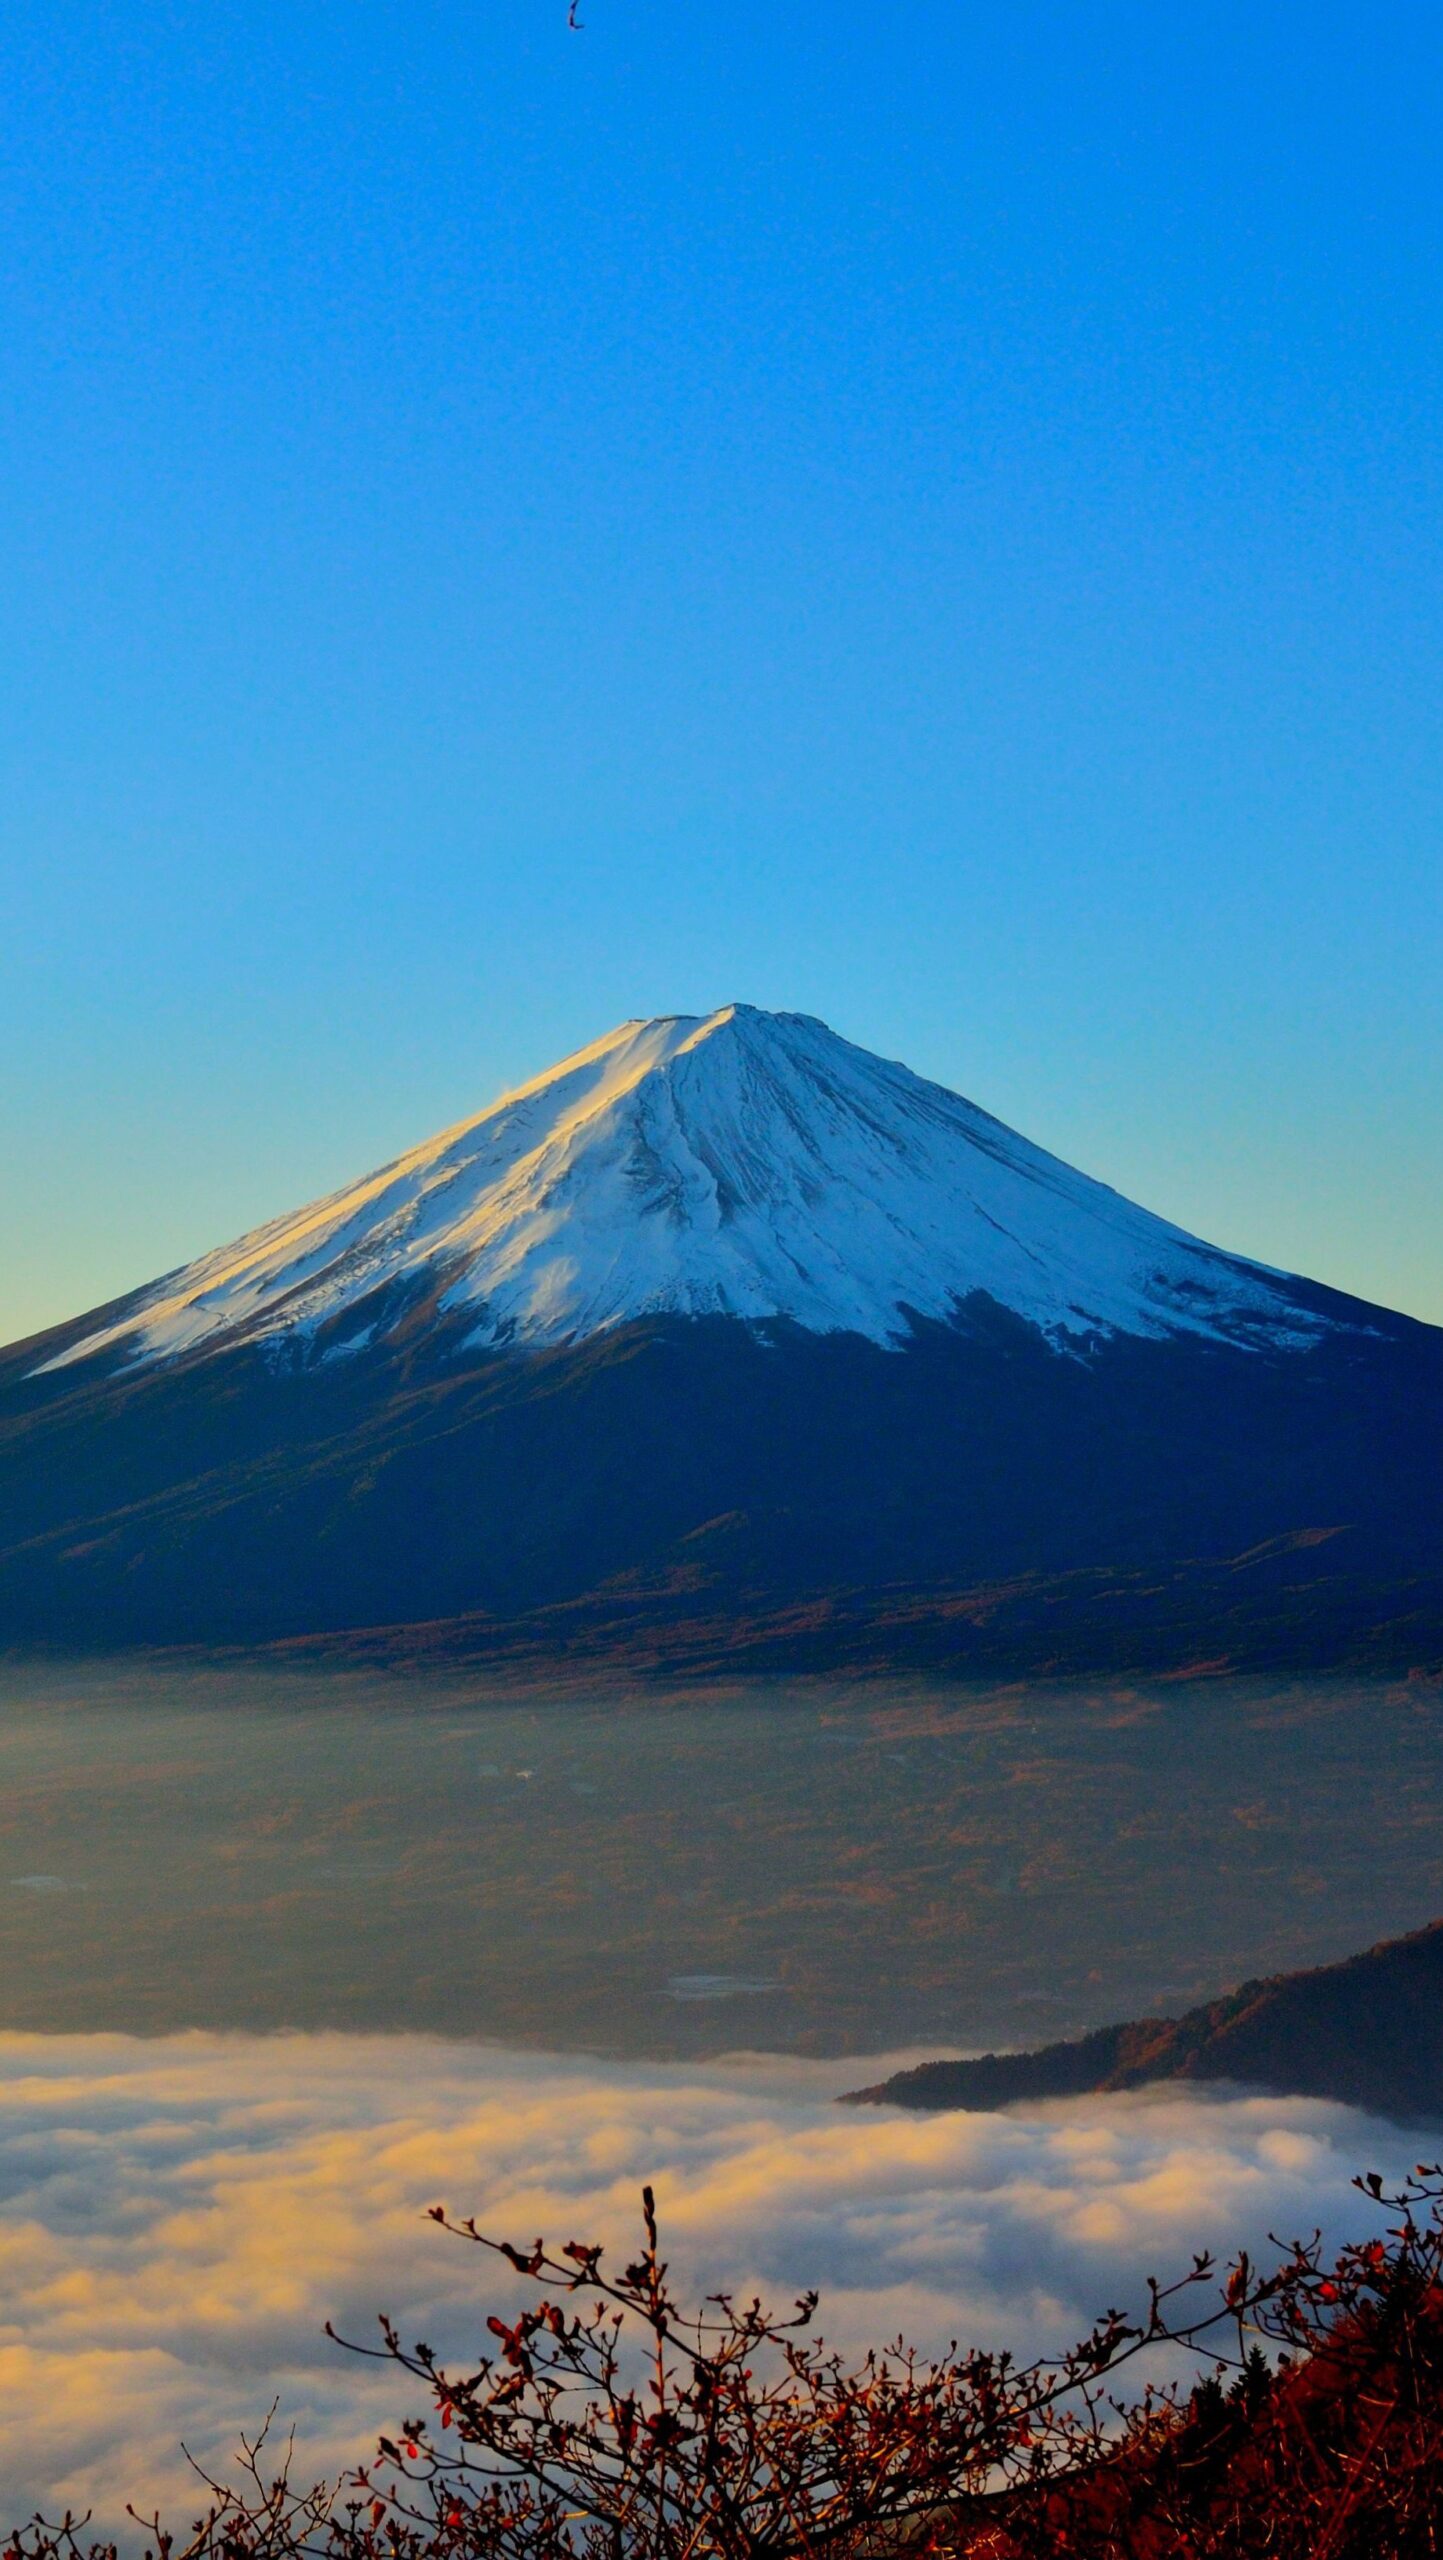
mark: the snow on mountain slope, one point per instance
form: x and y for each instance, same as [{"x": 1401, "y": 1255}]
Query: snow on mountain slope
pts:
[{"x": 741, "y": 1164}]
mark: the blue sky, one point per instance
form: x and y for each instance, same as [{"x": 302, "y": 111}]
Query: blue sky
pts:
[{"x": 929, "y": 515}]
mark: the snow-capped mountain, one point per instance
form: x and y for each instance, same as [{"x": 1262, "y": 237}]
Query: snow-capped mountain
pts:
[
  {"x": 742, "y": 1164},
  {"x": 726, "y": 1344}
]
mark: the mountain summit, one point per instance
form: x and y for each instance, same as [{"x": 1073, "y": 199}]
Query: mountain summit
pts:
[
  {"x": 728, "y": 1344},
  {"x": 740, "y": 1164}
]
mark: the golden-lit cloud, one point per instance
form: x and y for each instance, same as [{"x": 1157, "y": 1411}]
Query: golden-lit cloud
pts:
[{"x": 179, "y": 2218}]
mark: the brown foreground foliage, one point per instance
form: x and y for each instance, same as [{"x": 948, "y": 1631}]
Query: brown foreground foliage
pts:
[{"x": 607, "y": 2422}]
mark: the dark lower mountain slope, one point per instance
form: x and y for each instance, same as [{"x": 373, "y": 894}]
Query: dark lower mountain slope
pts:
[
  {"x": 1368, "y": 2032},
  {"x": 685, "y": 1491}
]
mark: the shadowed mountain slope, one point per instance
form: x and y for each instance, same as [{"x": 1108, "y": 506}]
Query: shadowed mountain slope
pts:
[
  {"x": 1368, "y": 2032},
  {"x": 727, "y": 1343}
]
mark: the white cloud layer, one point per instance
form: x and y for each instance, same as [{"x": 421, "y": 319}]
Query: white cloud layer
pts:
[{"x": 178, "y": 2219}]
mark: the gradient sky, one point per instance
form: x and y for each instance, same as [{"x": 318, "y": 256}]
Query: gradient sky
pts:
[{"x": 929, "y": 515}]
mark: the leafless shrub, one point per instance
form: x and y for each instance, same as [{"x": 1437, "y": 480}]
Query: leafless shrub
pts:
[{"x": 607, "y": 2421}]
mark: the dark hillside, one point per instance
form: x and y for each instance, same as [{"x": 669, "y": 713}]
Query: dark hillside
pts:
[
  {"x": 688, "y": 1490},
  {"x": 1368, "y": 2032}
]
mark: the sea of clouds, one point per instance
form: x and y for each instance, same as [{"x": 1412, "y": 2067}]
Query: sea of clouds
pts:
[{"x": 179, "y": 2218}]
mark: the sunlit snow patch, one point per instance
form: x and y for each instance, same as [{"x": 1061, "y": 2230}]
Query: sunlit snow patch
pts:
[{"x": 740, "y": 1164}]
